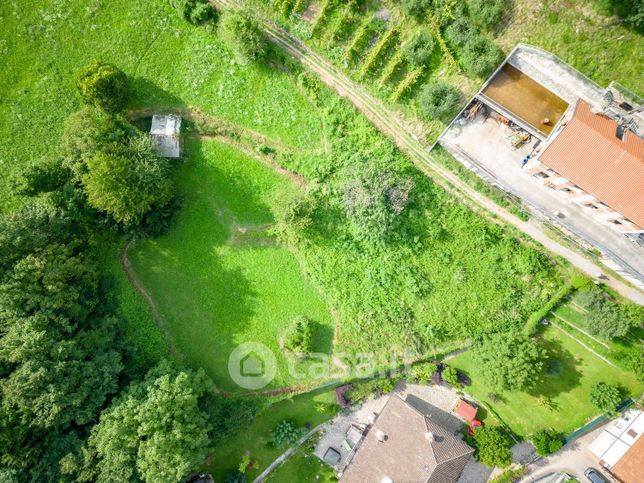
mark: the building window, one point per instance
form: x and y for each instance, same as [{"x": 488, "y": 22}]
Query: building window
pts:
[
  {"x": 617, "y": 222},
  {"x": 543, "y": 174}
]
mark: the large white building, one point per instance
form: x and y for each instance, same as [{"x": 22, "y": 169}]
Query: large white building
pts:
[{"x": 620, "y": 447}]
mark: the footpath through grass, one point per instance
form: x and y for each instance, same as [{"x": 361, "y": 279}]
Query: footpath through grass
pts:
[
  {"x": 218, "y": 276},
  {"x": 560, "y": 399}
]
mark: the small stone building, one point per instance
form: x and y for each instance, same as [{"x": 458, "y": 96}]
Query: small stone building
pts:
[{"x": 166, "y": 133}]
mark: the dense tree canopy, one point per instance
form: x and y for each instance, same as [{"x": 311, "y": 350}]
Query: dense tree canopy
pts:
[
  {"x": 194, "y": 11},
  {"x": 85, "y": 133},
  {"x": 493, "y": 446},
  {"x": 128, "y": 182},
  {"x": 103, "y": 85},
  {"x": 547, "y": 442},
  {"x": 606, "y": 397},
  {"x": 243, "y": 35},
  {"x": 157, "y": 430},
  {"x": 509, "y": 361}
]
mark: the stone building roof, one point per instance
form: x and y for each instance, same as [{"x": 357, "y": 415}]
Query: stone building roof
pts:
[{"x": 405, "y": 445}]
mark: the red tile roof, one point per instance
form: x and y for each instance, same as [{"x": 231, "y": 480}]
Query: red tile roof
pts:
[
  {"x": 588, "y": 153},
  {"x": 466, "y": 410}
]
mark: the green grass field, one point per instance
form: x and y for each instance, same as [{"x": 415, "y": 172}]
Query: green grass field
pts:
[
  {"x": 171, "y": 64},
  {"x": 570, "y": 371},
  {"x": 218, "y": 276}
]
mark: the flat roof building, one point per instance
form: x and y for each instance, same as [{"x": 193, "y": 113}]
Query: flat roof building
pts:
[
  {"x": 620, "y": 447},
  {"x": 165, "y": 132}
]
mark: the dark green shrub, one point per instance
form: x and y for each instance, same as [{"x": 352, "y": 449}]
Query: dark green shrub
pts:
[
  {"x": 418, "y": 51},
  {"x": 286, "y": 434},
  {"x": 547, "y": 441},
  {"x": 235, "y": 477},
  {"x": 486, "y": 13},
  {"x": 415, "y": 8},
  {"x": 460, "y": 31},
  {"x": 42, "y": 177},
  {"x": 243, "y": 35},
  {"x": 438, "y": 100},
  {"x": 450, "y": 376},
  {"x": 480, "y": 56},
  {"x": 195, "y": 11},
  {"x": 299, "y": 337},
  {"x": 103, "y": 85}
]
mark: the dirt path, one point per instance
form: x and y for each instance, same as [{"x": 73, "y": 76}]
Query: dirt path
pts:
[
  {"x": 154, "y": 310},
  {"x": 388, "y": 123}
]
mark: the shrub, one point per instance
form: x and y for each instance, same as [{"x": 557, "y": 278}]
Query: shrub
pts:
[
  {"x": 606, "y": 397},
  {"x": 493, "y": 446},
  {"x": 243, "y": 35},
  {"x": 609, "y": 321},
  {"x": 415, "y": 8},
  {"x": 460, "y": 31},
  {"x": 299, "y": 338},
  {"x": 422, "y": 373},
  {"x": 418, "y": 51},
  {"x": 480, "y": 56},
  {"x": 450, "y": 376},
  {"x": 547, "y": 442},
  {"x": 486, "y": 13},
  {"x": 103, "y": 85},
  {"x": 286, "y": 434},
  {"x": 195, "y": 11},
  {"x": 438, "y": 99},
  {"x": 235, "y": 476}
]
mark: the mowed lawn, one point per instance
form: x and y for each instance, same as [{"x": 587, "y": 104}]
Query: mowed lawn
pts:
[
  {"x": 570, "y": 372},
  {"x": 171, "y": 64},
  {"x": 218, "y": 276}
]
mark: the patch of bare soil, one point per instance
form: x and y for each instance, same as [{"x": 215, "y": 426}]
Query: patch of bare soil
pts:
[{"x": 311, "y": 12}]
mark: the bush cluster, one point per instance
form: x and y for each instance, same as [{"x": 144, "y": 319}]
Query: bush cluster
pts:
[
  {"x": 486, "y": 13},
  {"x": 244, "y": 36},
  {"x": 299, "y": 337},
  {"x": 480, "y": 55},
  {"x": 103, "y": 85},
  {"x": 547, "y": 441},
  {"x": 286, "y": 434},
  {"x": 195, "y": 11},
  {"x": 438, "y": 100}
]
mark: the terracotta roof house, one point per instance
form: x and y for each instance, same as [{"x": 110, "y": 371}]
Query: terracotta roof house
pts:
[
  {"x": 620, "y": 447},
  {"x": 597, "y": 157},
  {"x": 404, "y": 445},
  {"x": 466, "y": 410}
]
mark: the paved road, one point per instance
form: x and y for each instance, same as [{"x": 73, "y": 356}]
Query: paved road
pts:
[
  {"x": 573, "y": 459},
  {"x": 388, "y": 122}
]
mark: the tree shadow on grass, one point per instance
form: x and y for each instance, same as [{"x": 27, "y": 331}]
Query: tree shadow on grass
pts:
[
  {"x": 146, "y": 94},
  {"x": 560, "y": 373}
]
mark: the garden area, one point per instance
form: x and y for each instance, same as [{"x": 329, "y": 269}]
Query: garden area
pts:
[
  {"x": 289, "y": 220},
  {"x": 558, "y": 396}
]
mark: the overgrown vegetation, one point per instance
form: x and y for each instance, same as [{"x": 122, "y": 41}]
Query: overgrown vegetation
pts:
[
  {"x": 547, "y": 441},
  {"x": 492, "y": 446}
]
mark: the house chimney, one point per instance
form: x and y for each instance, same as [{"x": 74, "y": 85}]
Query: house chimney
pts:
[
  {"x": 430, "y": 436},
  {"x": 381, "y": 436}
]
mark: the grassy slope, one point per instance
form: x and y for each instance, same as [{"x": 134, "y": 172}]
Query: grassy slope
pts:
[
  {"x": 254, "y": 440},
  {"x": 573, "y": 370},
  {"x": 42, "y": 45},
  {"x": 215, "y": 291}
]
